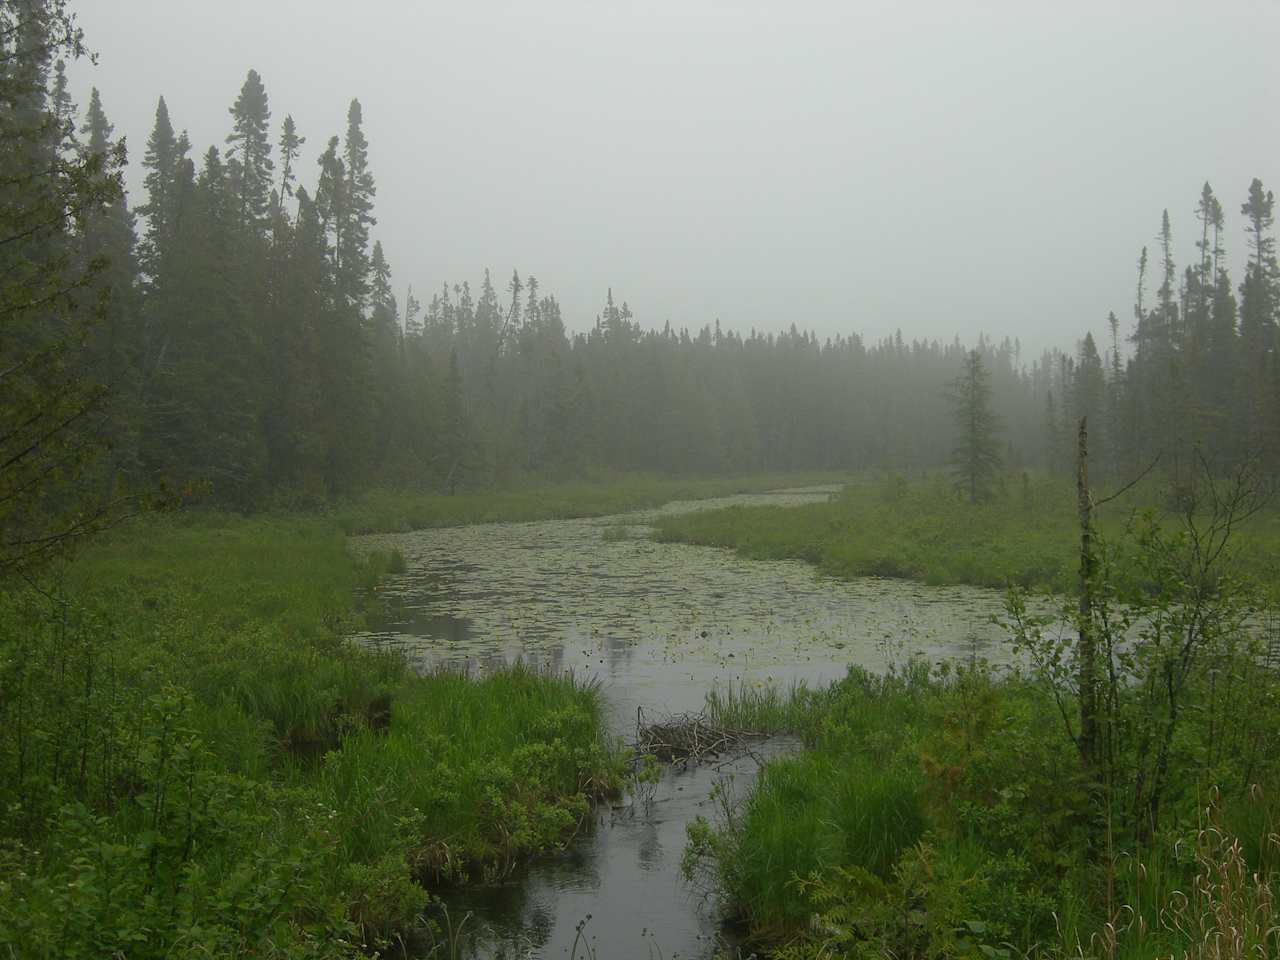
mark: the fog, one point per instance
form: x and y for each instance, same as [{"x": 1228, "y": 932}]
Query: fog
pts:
[{"x": 841, "y": 167}]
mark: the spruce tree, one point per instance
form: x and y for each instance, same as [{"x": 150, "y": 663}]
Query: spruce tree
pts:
[
  {"x": 975, "y": 459},
  {"x": 353, "y": 235},
  {"x": 1258, "y": 292},
  {"x": 249, "y": 163},
  {"x": 1089, "y": 395},
  {"x": 162, "y": 160},
  {"x": 290, "y": 148},
  {"x": 1257, "y": 314}
]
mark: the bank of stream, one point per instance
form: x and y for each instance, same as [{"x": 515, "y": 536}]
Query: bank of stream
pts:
[{"x": 658, "y": 625}]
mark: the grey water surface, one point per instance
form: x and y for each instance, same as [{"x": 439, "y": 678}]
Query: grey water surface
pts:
[{"x": 658, "y": 625}]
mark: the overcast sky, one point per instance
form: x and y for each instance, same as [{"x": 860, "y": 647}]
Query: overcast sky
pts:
[{"x": 844, "y": 166}]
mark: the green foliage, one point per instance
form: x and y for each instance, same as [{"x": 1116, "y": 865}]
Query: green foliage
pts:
[
  {"x": 975, "y": 459},
  {"x": 478, "y": 773},
  {"x": 915, "y": 530},
  {"x": 944, "y": 813},
  {"x": 186, "y": 858},
  {"x": 194, "y": 759},
  {"x": 763, "y": 708},
  {"x": 892, "y": 527},
  {"x": 1176, "y": 676}
]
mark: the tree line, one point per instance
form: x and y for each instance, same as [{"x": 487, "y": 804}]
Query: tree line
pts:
[
  {"x": 248, "y": 346},
  {"x": 1198, "y": 382}
]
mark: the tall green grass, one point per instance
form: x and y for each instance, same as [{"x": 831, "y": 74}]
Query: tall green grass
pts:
[
  {"x": 941, "y": 812},
  {"x": 764, "y": 709},
  {"x": 809, "y": 813},
  {"x": 481, "y": 772},
  {"x": 195, "y": 760}
]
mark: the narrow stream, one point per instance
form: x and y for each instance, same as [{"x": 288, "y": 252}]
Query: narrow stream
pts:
[{"x": 658, "y": 625}]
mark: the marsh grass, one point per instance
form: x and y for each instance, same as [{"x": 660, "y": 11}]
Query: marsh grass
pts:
[
  {"x": 388, "y": 511},
  {"x": 940, "y": 812},
  {"x": 892, "y": 528},
  {"x": 194, "y": 759},
  {"x": 763, "y": 708},
  {"x": 920, "y": 530},
  {"x": 1207, "y": 898},
  {"x": 479, "y": 772},
  {"x": 808, "y": 812}
]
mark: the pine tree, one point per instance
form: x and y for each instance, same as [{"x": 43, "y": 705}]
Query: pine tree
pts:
[
  {"x": 975, "y": 459},
  {"x": 291, "y": 145},
  {"x": 343, "y": 342},
  {"x": 331, "y": 199},
  {"x": 1258, "y": 293},
  {"x": 353, "y": 233},
  {"x": 62, "y": 108},
  {"x": 249, "y": 163},
  {"x": 162, "y": 161},
  {"x": 1257, "y": 313},
  {"x": 1089, "y": 395}
]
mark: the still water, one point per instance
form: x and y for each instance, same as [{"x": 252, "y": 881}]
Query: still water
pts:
[{"x": 658, "y": 625}]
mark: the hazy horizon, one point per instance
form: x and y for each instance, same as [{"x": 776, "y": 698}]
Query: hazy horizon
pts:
[{"x": 844, "y": 169}]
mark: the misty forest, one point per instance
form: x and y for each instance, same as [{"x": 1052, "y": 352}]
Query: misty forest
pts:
[{"x": 346, "y": 618}]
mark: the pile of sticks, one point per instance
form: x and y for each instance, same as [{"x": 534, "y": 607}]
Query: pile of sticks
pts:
[{"x": 683, "y": 738}]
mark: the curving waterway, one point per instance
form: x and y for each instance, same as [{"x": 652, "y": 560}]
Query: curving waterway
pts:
[{"x": 658, "y": 625}]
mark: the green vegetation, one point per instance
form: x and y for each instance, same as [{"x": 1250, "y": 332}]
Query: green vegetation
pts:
[
  {"x": 760, "y": 708},
  {"x": 194, "y": 760},
  {"x": 943, "y": 814},
  {"x": 399, "y": 510},
  {"x": 915, "y": 530},
  {"x": 1115, "y": 794},
  {"x": 921, "y": 530},
  {"x": 975, "y": 460}
]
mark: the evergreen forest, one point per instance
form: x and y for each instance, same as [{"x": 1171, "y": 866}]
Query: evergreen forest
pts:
[{"x": 247, "y": 347}]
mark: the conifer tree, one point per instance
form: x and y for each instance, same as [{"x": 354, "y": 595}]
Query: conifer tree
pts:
[
  {"x": 1089, "y": 394},
  {"x": 162, "y": 161},
  {"x": 330, "y": 200},
  {"x": 1258, "y": 292},
  {"x": 353, "y": 232},
  {"x": 203, "y": 406},
  {"x": 1257, "y": 313},
  {"x": 975, "y": 459},
  {"x": 249, "y": 162},
  {"x": 291, "y": 145}
]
